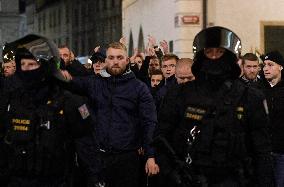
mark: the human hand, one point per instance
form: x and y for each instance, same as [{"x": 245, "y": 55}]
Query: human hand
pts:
[
  {"x": 143, "y": 55},
  {"x": 97, "y": 49},
  {"x": 151, "y": 167},
  {"x": 132, "y": 58},
  {"x": 141, "y": 151},
  {"x": 123, "y": 40},
  {"x": 152, "y": 41},
  {"x": 151, "y": 52},
  {"x": 72, "y": 56},
  {"x": 164, "y": 45},
  {"x": 66, "y": 75}
]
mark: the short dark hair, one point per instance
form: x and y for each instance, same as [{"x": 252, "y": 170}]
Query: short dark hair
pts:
[
  {"x": 169, "y": 57},
  {"x": 156, "y": 72},
  {"x": 249, "y": 56}
]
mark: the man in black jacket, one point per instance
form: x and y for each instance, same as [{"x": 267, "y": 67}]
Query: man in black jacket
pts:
[
  {"x": 214, "y": 130},
  {"x": 274, "y": 90},
  {"x": 125, "y": 117}
]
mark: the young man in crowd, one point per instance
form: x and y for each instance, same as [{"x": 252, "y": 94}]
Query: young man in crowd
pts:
[{"x": 274, "y": 90}]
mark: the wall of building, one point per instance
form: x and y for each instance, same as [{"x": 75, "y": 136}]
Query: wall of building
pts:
[
  {"x": 162, "y": 19},
  {"x": 81, "y": 25},
  {"x": 12, "y": 24},
  {"x": 159, "y": 18},
  {"x": 247, "y": 19},
  {"x": 154, "y": 17}
]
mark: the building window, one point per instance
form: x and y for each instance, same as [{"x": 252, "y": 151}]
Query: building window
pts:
[
  {"x": 98, "y": 6},
  {"x": 67, "y": 41},
  {"x": 171, "y": 46},
  {"x": 83, "y": 14},
  {"x": 59, "y": 41},
  {"x": 50, "y": 19},
  {"x": 105, "y": 4},
  {"x": 59, "y": 17},
  {"x": 89, "y": 47},
  {"x": 43, "y": 21},
  {"x": 75, "y": 46},
  {"x": 54, "y": 18},
  {"x": 112, "y": 3},
  {"x": 76, "y": 17},
  {"x": 39, "y": 23},
  {"x": 83, "y": 46},
  {"x": 1, "y": 39},
  {"x": 67, "y": 13},
  {"x": 272, "y": 33}
]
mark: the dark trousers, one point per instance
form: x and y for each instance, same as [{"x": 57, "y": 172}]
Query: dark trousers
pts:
[
  {"x": 279, "y": 169},
  {"x": 36, "y": 182},
  {"x": 121, "y": 169}
]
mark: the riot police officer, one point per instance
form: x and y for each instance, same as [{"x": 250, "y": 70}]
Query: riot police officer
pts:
[
  {"x": 214, "y": 131},
  {"x": 35, "y": 141}
]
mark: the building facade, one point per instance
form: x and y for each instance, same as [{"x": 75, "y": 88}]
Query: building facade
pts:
[
  {"x": 80, "y": 24},
  {"x": 176, "y": 21},
  {"x": 259, "y": 24},
  {"x": 12, "y": 22}
]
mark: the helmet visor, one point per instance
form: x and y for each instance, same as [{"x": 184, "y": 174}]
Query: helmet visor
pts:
[
  {"x": 217, "y": 37},
  {"x": 40, "y": 47}
]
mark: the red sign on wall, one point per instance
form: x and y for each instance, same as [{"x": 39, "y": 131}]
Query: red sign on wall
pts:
[{"x": 190, "y": 19}]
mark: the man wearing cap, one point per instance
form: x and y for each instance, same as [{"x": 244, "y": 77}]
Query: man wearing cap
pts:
[
  {"x": 98, "y": 60},
  {"x": 274, "y": 90},
  {"x": 213, "y": 131}
]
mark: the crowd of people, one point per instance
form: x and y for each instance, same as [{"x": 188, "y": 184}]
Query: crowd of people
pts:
[{"x": 152, "y": 119}]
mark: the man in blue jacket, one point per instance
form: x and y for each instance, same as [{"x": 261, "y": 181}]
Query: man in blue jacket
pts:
[{"x": 125, "y": 117}]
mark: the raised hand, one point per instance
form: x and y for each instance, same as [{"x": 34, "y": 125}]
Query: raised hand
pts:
[
  {"x": 123, "y": 40},
  {"x": 165, "y": 47},
  {"x": 152, "y": 41},
  {"x": 97, "y": 49}
]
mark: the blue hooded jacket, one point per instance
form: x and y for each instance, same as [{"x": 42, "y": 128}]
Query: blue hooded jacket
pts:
[{"x": 124, "y": 110}]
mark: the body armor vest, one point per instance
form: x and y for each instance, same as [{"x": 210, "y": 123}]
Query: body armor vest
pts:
[{"x": 36, "y": 137}]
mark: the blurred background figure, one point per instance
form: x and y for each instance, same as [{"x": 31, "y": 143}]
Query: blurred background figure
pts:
[
  {"x": 98, "y": 60},
  {"x": 8, "y": 65},
  {"x": 72, "y": 65},
  {"x": 183, "y": 70},
  {"x": 251, "y": 68}
]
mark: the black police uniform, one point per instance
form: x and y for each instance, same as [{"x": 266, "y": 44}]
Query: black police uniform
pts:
[
  {"x": 36, "y": 146},
  {"x": 214, "y": 131}
]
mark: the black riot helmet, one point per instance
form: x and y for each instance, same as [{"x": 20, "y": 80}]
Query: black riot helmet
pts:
[
  {"x": 39, "y": 48},
  {"x": 217, "y": 37},
  {"x": 8, "y": 53}
]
